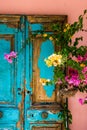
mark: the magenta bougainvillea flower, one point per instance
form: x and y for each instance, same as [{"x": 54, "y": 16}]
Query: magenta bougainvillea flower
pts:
[
  {"x": 84, "y": 71},
  {"x": 79, "y": 58},
  {"x": 84, "y": 81},
  {"x": 9, "y": 57},
  {"x": 72, "y": 72},
  {"x": 82, "y": 58},
  {"x": 83, "y": 100},
  {"x": 73, "y": 78},
  {"x": 85, "y": 57}
]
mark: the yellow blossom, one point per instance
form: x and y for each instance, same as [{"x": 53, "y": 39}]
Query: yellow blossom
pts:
[
  {"x": 44, "y": 35},
  {"x": 51, "y": 38},
  {"x": 48, "y": 62},
  {"x": 54, "y": 60},
  {"x": 67, "y": 24},
  {"x": 57, "y": 62},
  {"x": 43, "y": 81},
  {"x": 64, "y": 30},
  {"x": 67, "y": 27},
  {"x": 82, "y": 65}
]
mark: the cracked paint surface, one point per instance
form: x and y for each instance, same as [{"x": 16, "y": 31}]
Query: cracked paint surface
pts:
[{"x": 36, "y": 115}]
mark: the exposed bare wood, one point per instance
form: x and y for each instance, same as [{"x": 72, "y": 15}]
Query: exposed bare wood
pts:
[
  {"x": 21, "y": 109},
  {"x": 46, "y": 18},
  {"x": 11, "y": 20},
  {"x": 18, "y": 124},
  {"x": 48, "y": 127},
  {"x": 39, "y": 94},
  {"x": 47, "y": 106}
]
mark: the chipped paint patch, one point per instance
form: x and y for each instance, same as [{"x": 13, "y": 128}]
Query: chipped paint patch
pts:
[
  {"x": 18, "y": 124},
  {"x": 37, "y": 115}
]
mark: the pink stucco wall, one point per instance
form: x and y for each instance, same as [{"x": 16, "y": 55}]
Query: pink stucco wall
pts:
[{"x": 72, "y": 8}]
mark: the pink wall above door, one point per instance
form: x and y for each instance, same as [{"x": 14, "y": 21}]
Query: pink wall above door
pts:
[
  {"x": 72, "y": 8},
  {"x": 42, "y": 7}
]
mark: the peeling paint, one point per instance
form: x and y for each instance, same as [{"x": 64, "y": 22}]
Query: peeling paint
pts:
[
  {"x": 25, "y": 104},
  {"x": 21, "y": 109},
  {"x": 18, "y": 124},
  {"x": 36, "y": 115},
  {"x": 46, "y": 72}
]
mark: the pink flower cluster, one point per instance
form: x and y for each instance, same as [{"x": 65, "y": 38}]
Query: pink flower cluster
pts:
[
  {"x": 84, "y": 72},
  {"x": 9, "y": 57},
  {"x": 83, "y": 100},
  {"x": 73, "y": 78},
  {"x": 82, "y": 59}
]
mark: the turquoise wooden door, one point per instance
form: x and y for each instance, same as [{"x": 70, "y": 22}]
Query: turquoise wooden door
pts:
[
  {"x": 12, "y": 74},
  {"x": 24, "y": 103}
]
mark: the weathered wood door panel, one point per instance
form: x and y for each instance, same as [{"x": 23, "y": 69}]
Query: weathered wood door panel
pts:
[
  {"x": 24, "y": 103},
  {"x": 45, "y": 103},
  {"x": 11, "y": 75}
]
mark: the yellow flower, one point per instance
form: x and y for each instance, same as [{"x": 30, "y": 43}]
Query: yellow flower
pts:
[
  {"x": 44, "y": 35},
  {"x": 48, "y": 62},
  {"x": 67, "y": 24},
  {"x": 50, "y": 38},
  {"x": 57, "y": 62},
  {"x": 54, "y": 60},
  {"x": 64, "y": 30},
  {"x": 67, "y": 27},
  {"x": 43, "y": 81},
  {"x": 82, "y": 65}
]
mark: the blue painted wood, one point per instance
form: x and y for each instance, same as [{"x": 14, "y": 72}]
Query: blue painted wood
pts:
[
  {"x": 9, "y": 114},
  {"x": 34, "y": 116},
  {"x": 11, "y": 77},
  {"x": 47, "y": 49},
  {"x": 36, "y": 27},
  {"x": 7, "y": 126},
  {"x": 6, "y": 76},
  {"x": 15, "y": 79}
]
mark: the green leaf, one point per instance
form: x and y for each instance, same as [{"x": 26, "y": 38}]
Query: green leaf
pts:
[
  {"x": 85, "y": 11},
  {"x": 77, "y": 41}
]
